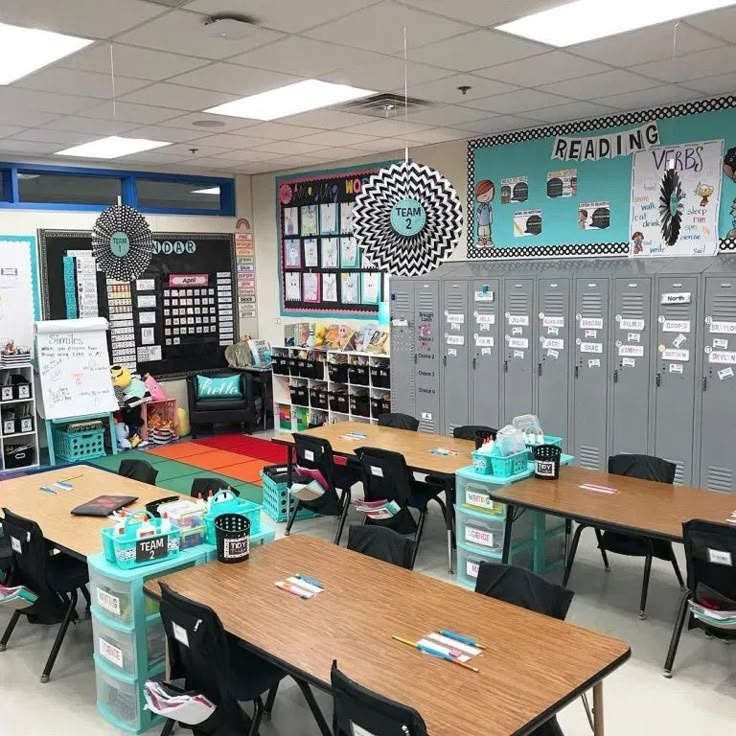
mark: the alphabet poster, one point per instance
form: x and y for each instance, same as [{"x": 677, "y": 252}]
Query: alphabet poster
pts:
[{"x": 676, "y": 215}]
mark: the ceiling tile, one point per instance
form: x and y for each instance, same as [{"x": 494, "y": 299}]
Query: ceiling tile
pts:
[
  {"x": 87, "y": 18},
  {"x": 232, "y": 141},
  {"x": 385, "y": 73},
  {"x": 647, "y": 44},
  {"x": 335, "y": 138},
  {"x": 181, "y": 31},
  {"x": 446, "y": 90},
  {"x": 379, "y": 145},
  {"x": 89, "y": 84},
  {"x": 482, "y": 12},
  {"x": 131, "y": 60},
  {"x": 555, "y": 66},
  {"x": 278, "y": 131},
  {"x": 610, "y": 83},
  {"x": 721, "y": 23},
  {"x": 669, "y": 94},
  {"x": 26, "y": 118},
  {"x": 521, "y": 101},
  {"x": 693, "y": 66},
  {"x": 178, "y": 97},
  {"x": 49, "y": 135},
  {"x": 499, "y": 124},
  {"x": 93, "y": 126},
  {"x": 338, "y": 154},
  {"x": 327, "y": 119},
  {"x": 380, "y": 28},
  {"x": 283, "y": 16},
  {"x": 8, "y": 130},
  {"x": 155, "y": 157},
  {"x": 720, "y": 84},
  {"x": 436, "y": 135},
  {"x": 240, "y": 81},
  {"x": 128, "y": 112},
  {"x": 229, "y": 124},
  {"x": 289, "y": 147},
  {"x": 250, "y": 155},
  {"x": 172, "y": 135},
  {"x": 447, "y": 115},
  {"x": 202, "y": 151},
  {"x": 210, "y": 163},
  {"x": 31, "y": 147},
  {"x": 570, "y": 111},
  {"x": 387, "y": 128},
  {"x": 477, "y": 50},
  {"x": 29, "y": 99}
]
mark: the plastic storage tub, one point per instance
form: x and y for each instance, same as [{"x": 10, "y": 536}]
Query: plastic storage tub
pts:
[
  {"x": 486, "y": 533},
  {"x": 117, "y": 646}
]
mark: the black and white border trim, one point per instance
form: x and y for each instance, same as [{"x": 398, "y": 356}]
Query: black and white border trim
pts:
[{"x": 577, "y": 250}]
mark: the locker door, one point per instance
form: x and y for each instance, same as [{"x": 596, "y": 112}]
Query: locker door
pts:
[
  {"x": 553, "y": 356},
  {"x": 717, "y": 456},
  {"x": 590, "y": 383},
  {"x": 518, "y": 354},
  {"x": 674, "y": 392},
  {"x": 402, "y": 346},
  {"x": 427, "y": 355},
  {"x": 456, "y": 352},
  {"x": 631, "y": 364},
  {"x": 484, "y": 373}
]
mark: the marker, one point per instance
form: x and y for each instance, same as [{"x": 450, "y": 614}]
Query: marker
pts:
[
  {"x": 309, "y": 580},
  {"x": 459, "y": 637},
  {"x": 293, "y": 591},
  {"x": 446, "y": 657},
  {"x": 46, "y": 489},
  {"x": 63, "y": 485}
]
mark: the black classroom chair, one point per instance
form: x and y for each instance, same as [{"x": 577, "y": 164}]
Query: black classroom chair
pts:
[
  {"x": 6, "y": 555},
  {"x": 398, "y": 421},
  {"x": 55, "y": 578},
  {"x": 710, "y": 552},
  {"x": 381, "y": 543},
  {"x": 138, "y": 470},
  {"x": 473, "y": 432},
  {"x": 355, "y": 705},
  {"x": 645, "y": 467},
  {"x": 202, "y": 486}
]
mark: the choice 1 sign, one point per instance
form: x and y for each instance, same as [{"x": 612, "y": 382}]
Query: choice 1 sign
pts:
[{"x": 408, "y": 217}]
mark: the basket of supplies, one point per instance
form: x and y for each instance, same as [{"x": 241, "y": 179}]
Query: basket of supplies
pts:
[
  {"x": 232, "y": 537},
  {"x": 225, "y": 502},
  {"x": 499, "y": 465},
  {"x": 547, "y": 462},
  {"x": 139, "y": 540}
]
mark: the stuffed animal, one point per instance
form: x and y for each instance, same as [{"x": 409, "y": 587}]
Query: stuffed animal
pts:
[
  {"x": 121, "y": 433},
  {"x": 154, "y": 388},
  {"x": 320, "y": 332},
  {"x": 183, "y": 426},
  {"x": 134, "y": 391}
]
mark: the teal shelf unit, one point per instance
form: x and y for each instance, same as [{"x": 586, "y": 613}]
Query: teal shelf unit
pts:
[{"x": 129, "y": 639}]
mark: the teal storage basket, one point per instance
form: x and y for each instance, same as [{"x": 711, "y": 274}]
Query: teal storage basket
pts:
[
  {"x": 119, "y": 549},
  {"x": 73, "y": 446},
  {"x": 224, "y": 502},
  {"x": 502, "y": 467},
  {"x": 277, "y": 501}
]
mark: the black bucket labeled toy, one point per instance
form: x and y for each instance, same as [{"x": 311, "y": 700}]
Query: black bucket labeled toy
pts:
[
  {"x": 232, "y": 534},
  {"x": 547, "y": 462}
]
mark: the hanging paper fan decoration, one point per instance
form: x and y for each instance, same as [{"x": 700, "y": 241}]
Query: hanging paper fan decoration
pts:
[
  {"x": 670, "y": 206},
  {"x": 407, "y": 219},
  {"x": 122, "y": 243}
]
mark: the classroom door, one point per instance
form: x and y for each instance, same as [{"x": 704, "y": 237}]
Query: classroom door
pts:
[
  {"x": 717, "y": 455},
  {"x": 402, "y": 346},
  {"x": 486, "y": 351},
  {"x": 631, "y": 365},
  {"x": 455, "y": 354},
  {"x": 590, "y": 382},
  {"x": 675, "y": 375},
  {"x": 518, "y": 353},
  {"x": 428, "y": 334},
  {"x": 553, "y": 356}
]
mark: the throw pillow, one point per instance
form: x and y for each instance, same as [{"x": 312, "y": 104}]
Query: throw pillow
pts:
[{"x": 222, "y": 387}]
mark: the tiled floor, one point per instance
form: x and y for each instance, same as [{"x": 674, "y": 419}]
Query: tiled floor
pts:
[{"x": 701, "y": 698}]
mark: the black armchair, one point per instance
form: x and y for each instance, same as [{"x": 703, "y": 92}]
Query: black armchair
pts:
[{"x": 227, "y": 410}]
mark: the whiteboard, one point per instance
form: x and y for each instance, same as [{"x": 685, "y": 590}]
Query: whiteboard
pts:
[
  {"x": 74, "y": 367},
  {"x": 16, "y": 292}
]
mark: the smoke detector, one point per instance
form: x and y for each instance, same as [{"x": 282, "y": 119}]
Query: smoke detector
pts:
[{"x": 228, "y": 27}]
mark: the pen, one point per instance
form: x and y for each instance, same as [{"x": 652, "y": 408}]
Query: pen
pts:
[
  {"x": 446, "y": 657},
  {"x": 46, "y": 489},
  {"x": 309, "y": 580},
  {"x": 293, "y": 591},
  {"x": 459, "y": 637}
]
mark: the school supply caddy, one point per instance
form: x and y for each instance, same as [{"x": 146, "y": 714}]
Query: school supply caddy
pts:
[{"x": 140, "y": 539}]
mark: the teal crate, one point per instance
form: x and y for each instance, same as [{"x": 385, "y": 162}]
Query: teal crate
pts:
[
  {"x": 278, "y": 502},
  {"x": 119, "y": 549},
  {"x": 74, "y": 446},
  {"x": 502, "y": 467},
  {"x": 233, "y": 505}
]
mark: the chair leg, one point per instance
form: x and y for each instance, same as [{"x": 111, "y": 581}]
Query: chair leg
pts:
[
  {"x": 292, "y": 518},
  {"x": 676, "y": 634},
  {"x": 70, "y": 613},
  {"x": 604, "y": 555},
  {"x": 645, "y": 586},
  {"x": 345, "y": 500},
  {"x": 255, "y": 723},
  {"x": 85, "y": 593},
  {"x": 676, "y": 568},
  {"x": 573, "y": 552},
  {"x": 168, "y": 728},
  {"x": 316, "y": 712},
  {"x": 418, "y": 535},
  {"x": 271, "y": 699},
  {"x": 9, "y": 630}
]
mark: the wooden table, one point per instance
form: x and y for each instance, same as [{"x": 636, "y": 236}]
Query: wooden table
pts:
[
  {"x": 533, "y": 665},
  {"x": 77, "y": 535},
  {"x": 416, "y": 447}
]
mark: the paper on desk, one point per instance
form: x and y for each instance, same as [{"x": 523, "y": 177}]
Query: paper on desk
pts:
[
  {"x": 596, "y": 488},
  {"x": 453, "y": 651},
  {"x": 454, "y": 644}
]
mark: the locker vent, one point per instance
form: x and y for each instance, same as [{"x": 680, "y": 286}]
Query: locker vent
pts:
[
  {"x": 720, "y": 479},
  {"x": 724, "y": 306},
  {"x": 401, "y": 302},
  {"x": 426, "y": 301},
  {"x": 679, "y": 473},
  {"x": 589, "y": 457},
  {"x": 554, "y": 304},
  {"x": 455, "y": 302},
  {"x": 518, "y": 303},
  {"x": 593, "y": 304},
  {"x": 632, "y": 306},
  {"x": 676, "y": 311}
]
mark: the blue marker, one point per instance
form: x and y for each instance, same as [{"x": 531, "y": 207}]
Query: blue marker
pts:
[
  {"x": 309, "y": 580},
  {"x": 462, "y": 639},
  {"x": 46, "y": 489}
]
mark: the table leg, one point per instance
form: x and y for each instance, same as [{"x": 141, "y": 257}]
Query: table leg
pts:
[
  {"x": 568, "y": 532},
  {"x": 510, "y": 511},
  {"x": 450, "y": 500},
  {"x": 49, "y": 443},
  {"x": 598, "y": 709},
  {"x": 113, "y": 438}
]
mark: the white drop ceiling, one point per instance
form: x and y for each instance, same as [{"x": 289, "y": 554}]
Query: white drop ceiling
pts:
[{"x": 168, "y": 69}]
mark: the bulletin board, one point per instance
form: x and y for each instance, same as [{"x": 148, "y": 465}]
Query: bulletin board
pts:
[
  {"x": 20, "y": 302},
  {"x": 176, "y": 319},
  {"x": 593, "y": 187},
  {"x": 321, "y": 268}
]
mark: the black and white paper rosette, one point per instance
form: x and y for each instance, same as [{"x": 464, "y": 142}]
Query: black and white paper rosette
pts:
[
  {"x": 670, "y": 206},
  {"x": 122, "y": 243},
  {"x": 407, "y": 219}
]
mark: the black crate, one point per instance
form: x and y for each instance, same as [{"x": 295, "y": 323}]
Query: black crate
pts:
[
  {"x": 358, "y": 375},
  {"x": 299, "y": 395},
  {"x": 313, "y": 369},
  {"x": 280, "y": 365},
  {"x": 339, "y": 401},
  {"x": 380, "y": 406},
  {"x": 21, "y": 388},
  {"x": 318, "y": 398},
  {"x": 360, "y": 405},
  {"x": 338, "y": 372},
  {"x": 18, "y": 456},
  {"x": 292, "y": 364},
  {"x": 381, "y": 376}
]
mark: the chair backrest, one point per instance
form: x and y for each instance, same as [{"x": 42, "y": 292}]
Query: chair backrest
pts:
[
  {"x": 316, "y": 453},
  {"x": 199, "y": 653},
  {"x": 645, "y": 467},
  {"x": 472, "y": 431},
  {"x": 206, "y": 484},
  {"x": 138, "y": 470},
  {"x": 386, "y": 475},
  {"x": 710, "y": 549},
  {"x": 523, "y": 588},
  {"x": 355, "y": 705},
  {"x": 382, "y": 544},
  {"x": 398, "y": 421}
]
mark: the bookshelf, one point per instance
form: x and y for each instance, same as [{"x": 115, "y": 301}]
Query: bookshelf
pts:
[
  {"x": 314, "y": 386},
  {"x": 19, "y": 447}
]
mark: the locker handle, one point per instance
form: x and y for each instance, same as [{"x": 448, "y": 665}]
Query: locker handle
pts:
[
  {"x": 444, "y": 360},
  {"x": 577, "y": 371},
  {"x": 705, "y": 383},
  {"x": 474, "y": 363},
  {"x": 659, "y": 380},
  {"x": 415, "y": 358},
  {"x": 505, "y": 366},
  {"x": 539, "y": 369},
  {"x": 615, "y": 376}
]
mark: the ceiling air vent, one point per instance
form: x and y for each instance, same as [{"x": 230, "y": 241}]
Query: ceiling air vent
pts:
[{"x": 385, "y": 105}]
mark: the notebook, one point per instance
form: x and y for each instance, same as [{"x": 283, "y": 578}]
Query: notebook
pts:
[{"x": 103, "y": 505}]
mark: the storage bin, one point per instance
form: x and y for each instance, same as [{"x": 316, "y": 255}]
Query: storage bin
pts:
[
  {"x": 9, "y": 423},
  {"x": 18, "y": 456},
  {"x": 312, "y": 369},
  {"x": 24, "y": 424},
  {"x": 192, "y": 537},
  {"x": 318, "y": 398},
  {"x": 156, "y": 641},
  {"x": 6, "y": 392},
  {"x": 292, "y": 365},
  {"x": 225, "y": 503},
  {"x": 74, "y": 446},
  {"x": 277, "y": 501},
  {"x": 360, "y": 405},
  {"x": 118, "y": 698},
  {"x": 21, "y": 388},
  {"x": 469, "y": 560},
  {"x": 116, "y": 647},
  {"x": 280, "y": 365},
  {"x": 120, "y": 549},
  {"x": 476, "y": 494},
  {"x": 339, "y": 401},
  {"x": 338, "y": 372},
  {"x": 358, "y": 375},
  {"x": 299, "y": 395},
  {"x": 380, "y": 376},
  {"x": 486, "y": 533},
  {"x": 112, "y": 597},
  {"x": 502, "y": 467}
]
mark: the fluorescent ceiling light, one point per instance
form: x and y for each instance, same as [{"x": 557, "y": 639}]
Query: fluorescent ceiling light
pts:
[
  {"x": 112, "y": 147},
  {"x": 290, "y": 100},
  {"x": 213, "y": 190},
  {"x": 586, "y": 20},
  {"x": 24, "y": 50}
]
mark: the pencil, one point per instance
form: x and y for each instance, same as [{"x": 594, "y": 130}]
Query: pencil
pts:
[
  {"x": 464, "y": 664},
  {"x": 405, "y": 641}
]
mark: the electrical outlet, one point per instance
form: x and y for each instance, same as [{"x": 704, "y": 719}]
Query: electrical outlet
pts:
[{"x": 277, "y": 320}]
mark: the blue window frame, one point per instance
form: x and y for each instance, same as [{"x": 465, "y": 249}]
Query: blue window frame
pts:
[{"x": 30, "y": 186}]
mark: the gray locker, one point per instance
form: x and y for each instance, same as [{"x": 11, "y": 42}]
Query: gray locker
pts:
[
  {"x": 456, "y": 349},
  {"x": 518, "y": 309},
  {"x": 402, "y": 346},
  {"x": 591, "y": 371},
  {"x": 553, "y": 346},
  {"x": 485, "y": 349},
  {"x": 631, "y": 364},
  {"x": 428, "y": 334},
  {"x": 718, "y": 384},
  {"x": 675, "y": 380}
]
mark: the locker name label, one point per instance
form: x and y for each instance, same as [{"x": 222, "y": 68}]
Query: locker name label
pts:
[
  {"x": 553, "y": 321},
  {"x": 590, "y": 323},
  {"x": 721, "y": 356},
  {"x": 633, "y": 351},
  {"x": 675, "y": 325},
  {"x": 677, "y": 297},
  {"x": 518, "y": 319},
  {"x": 671, "y": 354},
  {"x": 591, "y": 347},
  {"x": 517, "y": 342},
  {"x": 723, "y": 328},
  {"x": 455, "y": 319},
  {"x": 483, "y": 342},
  {"x": 549, "y": 343},
  {"x": 629, "y": 324},
  {"x": 455, "y": 339},
  {"x": 484, "y": 296},
  {"x": 485, "y": 319}
]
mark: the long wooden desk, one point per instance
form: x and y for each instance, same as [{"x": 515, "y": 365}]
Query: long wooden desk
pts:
[
  {"x": 77, "y": 535},
  {"x": 416, "y": 447},
  {"x": 533, "y": 665}
]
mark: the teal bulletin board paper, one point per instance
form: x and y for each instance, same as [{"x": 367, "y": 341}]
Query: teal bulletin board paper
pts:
[{"x": 605, "y": 180}]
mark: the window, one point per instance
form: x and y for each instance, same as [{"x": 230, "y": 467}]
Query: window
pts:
[
  {"x": 53, "y": 188},
  {"x": 190, "y": 195}
]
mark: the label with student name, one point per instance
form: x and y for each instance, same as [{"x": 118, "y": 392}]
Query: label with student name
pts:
[
  {"x": 108, "y": 602},
  {"x": 675, "y": 325},
  {"x": 721, "y": 356},
  {"x": 634, "y": 351},
  {"x": 554, "y": 344},
  {"x": 553, "y": 321},
  {"x": 591, "y": 323},
  {"x": 517, "y": 342},
  {"x": 471, "y": 569},
  {"x": 591, "y": 347},
  {"x": 723, "y": 328},
  {"x": 681, "y": 355},
  {"x": 517, "y": 319},
  {"x": 630, "y": 324},
  {"x": 110, "y": 653}
]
